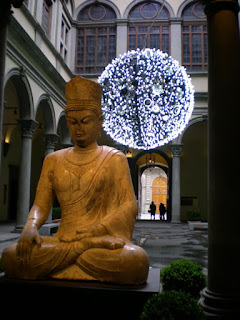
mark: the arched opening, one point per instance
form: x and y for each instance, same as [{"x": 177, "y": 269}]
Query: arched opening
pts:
[
  {"x": 45, "y": 118},
  {"x": 17, "y": 106},
  {"x": 153, "y": 183},
  {"x": 194, "y": 181},
  {"x": 64, "y": 139}
]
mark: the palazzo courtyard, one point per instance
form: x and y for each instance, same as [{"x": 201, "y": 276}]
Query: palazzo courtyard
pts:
[{"x": 45, "y": 43}]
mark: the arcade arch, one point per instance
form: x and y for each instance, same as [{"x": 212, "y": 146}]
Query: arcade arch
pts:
[
  {"x": 153, "y": 181},
  {"x": 29, "y": 133},
  {"x": 64, "y": 140},
  {"x": 45, "y": 107},
  {"x": 154, "y": 187}
]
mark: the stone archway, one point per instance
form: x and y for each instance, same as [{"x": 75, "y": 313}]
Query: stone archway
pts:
[
  {"x": 150, "y": 175},
  {"x": 18, "y": 127},
  {"x": 64, "y": 140}
]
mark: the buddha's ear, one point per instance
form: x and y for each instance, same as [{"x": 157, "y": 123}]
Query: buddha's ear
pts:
[{"x": 100, "y": 118}]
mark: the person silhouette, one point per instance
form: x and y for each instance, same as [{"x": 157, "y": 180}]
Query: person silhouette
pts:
[
  {"x": 162, "y": 211},
  {"x": 153, "y": 209}
]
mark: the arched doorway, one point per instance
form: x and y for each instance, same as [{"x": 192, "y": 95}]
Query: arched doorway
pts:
[{"x": 154, "y": 187}]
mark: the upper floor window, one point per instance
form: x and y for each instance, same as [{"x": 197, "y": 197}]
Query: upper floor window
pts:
[
  {"x": 96, "y": 39},
  {"x": 64, "y": 38},
  {"x": 149, "y": 27},
  {"x": 194, "y": 38},
  {"x": 47, "y": 16}
]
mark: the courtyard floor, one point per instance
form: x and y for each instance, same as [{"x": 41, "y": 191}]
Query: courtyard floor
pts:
[{"x": 165, "y": 242}]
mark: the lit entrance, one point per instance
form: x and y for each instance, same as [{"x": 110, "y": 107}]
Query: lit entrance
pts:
[{"x": 154, "y": 188}]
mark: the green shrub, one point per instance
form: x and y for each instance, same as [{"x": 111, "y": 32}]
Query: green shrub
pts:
[
  {"x": 184, "y": 275},
  {"x": 172, "y": 305},
  {"x": 194, "y": 215}
]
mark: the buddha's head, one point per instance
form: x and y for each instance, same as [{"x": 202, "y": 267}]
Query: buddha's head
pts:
[{"x": 83, "y": 110}]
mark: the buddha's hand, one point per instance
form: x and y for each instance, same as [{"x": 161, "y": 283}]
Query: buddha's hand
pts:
[
  {"x": 106, "y": 242},
  {"x": 117, "y": 243},
  {"x": 28, "y": 239}
]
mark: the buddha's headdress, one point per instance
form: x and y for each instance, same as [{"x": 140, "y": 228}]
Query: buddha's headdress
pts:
[{"x": 82, "y": 93}]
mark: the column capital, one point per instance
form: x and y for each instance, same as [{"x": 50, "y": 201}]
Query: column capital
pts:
[
  {"x": 213, "y": 6},
  {"x": 176, "y": 149},
  {"x": 176, "y": 20},
  {"x": 27, "y": 127},
  {"x": 122, "y": 22},
  {"x": 50, "y": 140}
]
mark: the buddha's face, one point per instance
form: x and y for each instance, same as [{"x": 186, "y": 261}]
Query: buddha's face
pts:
[{"x": 84, "y": 127}]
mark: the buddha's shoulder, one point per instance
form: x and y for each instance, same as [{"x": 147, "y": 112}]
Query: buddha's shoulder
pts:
[
  {"x": 56, "y": 155},
  {"x": 115, "y": 154},
  {"x": 112, "y": 151}
]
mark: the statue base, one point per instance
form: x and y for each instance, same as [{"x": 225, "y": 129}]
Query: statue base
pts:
[{"x": 84, "y": 300}]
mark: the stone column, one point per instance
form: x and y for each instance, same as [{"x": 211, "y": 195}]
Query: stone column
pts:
[
  {"x": 221, "y": 298},
  {"x": 176, "y": 196},
  {"x": 121, "y": 37},
  {"x": 176, "y": 39},
  {"x": 50, "y": 144},
  {"x": 27, "y": 128}
]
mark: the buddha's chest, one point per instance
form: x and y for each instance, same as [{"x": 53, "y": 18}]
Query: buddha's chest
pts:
[{"x": 70, "y": 182}]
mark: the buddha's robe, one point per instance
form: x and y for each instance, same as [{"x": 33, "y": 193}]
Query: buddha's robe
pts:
[{"x": 96, "y": 194}]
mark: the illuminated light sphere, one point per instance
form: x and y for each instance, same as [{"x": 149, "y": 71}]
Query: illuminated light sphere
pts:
[{"x": 147, "y": 99}]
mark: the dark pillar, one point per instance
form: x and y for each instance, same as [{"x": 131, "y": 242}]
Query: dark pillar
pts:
[
  {"x": 176, "y": 192},
  {"x": 5, "y": 14},
  {"x": 221, "y": 298}
]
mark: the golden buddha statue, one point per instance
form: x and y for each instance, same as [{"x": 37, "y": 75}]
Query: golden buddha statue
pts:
[{"x": 98, "y": 207}]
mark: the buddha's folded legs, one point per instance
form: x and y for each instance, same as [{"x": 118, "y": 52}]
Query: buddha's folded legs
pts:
[
  {"x": 59, "y": 260},
  {"x": 51, "y": 257},
  {"x": 128, "y": 265}
]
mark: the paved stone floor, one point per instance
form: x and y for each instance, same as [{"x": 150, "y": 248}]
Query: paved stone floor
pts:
[{"x": 163, "y": 241}]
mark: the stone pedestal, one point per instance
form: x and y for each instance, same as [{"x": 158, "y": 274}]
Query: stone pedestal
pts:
[
  {"x": 221, "y": 299},
  {"x": 176, "y": 195},
  {"x": 82, "y": 300}
]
